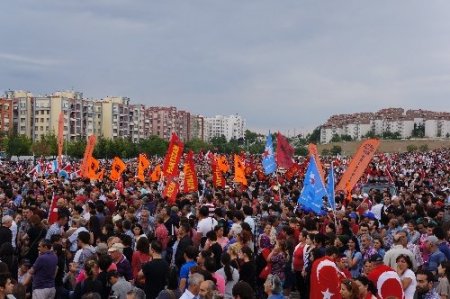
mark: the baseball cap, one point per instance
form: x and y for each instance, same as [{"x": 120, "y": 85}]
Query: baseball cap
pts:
[{"x": 376, "y": 258}]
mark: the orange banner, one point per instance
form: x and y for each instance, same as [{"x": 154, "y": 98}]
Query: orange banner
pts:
[
  {"x": 171, "y": 191},
  {"x": 218, "y": 179},
  {"x": 60, "y": 137},
  {"x": 312, "y": 149},
  {"x": 93, "y": 168},
  {"x": 358, "y": 165},
  {"x": 143, "y": 164},
  {"x": 156, "y": 174},
  {"x": 117, "y": 167},
  {"x": 173, "y": 156},
  {"x": 87, "y": 155},
  {"x": 293, "y": 171},
  {"x": 239, "y": 171},
  {"x": 190, "y": 176},
  {"x": 222, "y": 163}
]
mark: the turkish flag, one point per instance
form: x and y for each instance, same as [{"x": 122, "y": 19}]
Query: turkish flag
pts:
[
  {"x": 325, "y": 279},
  {"x": 387, "y": 282}
]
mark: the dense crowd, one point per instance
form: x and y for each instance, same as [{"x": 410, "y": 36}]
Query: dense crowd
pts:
[{"x": 255, "y": 241}]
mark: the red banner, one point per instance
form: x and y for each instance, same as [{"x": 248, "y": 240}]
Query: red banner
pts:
[
  {"x": 293, "y": 171},
  {"x": 87, "y": 155},
  {"x": 171, "y": 191},
  {"x": 60, "y": 138},
  {"x": 239, "y": 171},
  {"x": 284, "y": 153},
  {"x": 190, "y": 176},
  {"x": 173, "y": 156},
  {"x": 218, "y": 179},
  {"x": 358, "y": 165}
]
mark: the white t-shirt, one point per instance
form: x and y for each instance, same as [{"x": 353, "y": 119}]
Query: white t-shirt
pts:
[
  {"x": 409, "y": 292},
  {"x": 13, "y": 230},
  {"x": 205, "y": 225}
]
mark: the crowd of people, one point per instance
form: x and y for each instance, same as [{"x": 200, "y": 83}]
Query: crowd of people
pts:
[{"x": 255, "y": 241}]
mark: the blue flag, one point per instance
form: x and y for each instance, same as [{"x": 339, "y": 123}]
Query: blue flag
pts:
[
  {"x": 313, "y": 189},
  {"x": 268, "y": 161},
  {"x": 330, "y": 188}
]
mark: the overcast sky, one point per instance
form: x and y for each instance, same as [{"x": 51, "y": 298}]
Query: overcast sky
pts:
[{"x": 283, "y": 65}]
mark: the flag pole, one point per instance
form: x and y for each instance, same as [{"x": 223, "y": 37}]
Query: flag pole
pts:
[{"x": 334, "y": 197}]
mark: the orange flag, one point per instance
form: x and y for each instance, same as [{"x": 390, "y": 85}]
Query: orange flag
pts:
[
  {"x": 218, "y": 179},
  {"x": 60, "y": 137},
  {"x": 93, "y": 168},
  {"x": 190, "y": 177},
  {"x": 143, "y": 164},
  {"x": 222, "y": 163},
  {"x": 87, "y": 155},
  {"x": 117, "y": 167},
  {"x": 358, "y": 165},
  {"x": 171, "y": 191},
  {"x": 156, "y": 174},
  {"x": 239, "y": 171},
  {"x": 312, "y": 149},
  {"x": 173, "y": 156}
]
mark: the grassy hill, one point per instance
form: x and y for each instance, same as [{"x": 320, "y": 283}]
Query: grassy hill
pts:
[{"x": 389, "y": 146}]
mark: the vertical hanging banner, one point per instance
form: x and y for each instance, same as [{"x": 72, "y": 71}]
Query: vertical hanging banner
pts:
[
  {"x": 117, "y": 167},
  {"x": 312, "y": 149},
  {"x": 173, "y": 156},
  {"x": 190, "y": 176},
  {"x": 60, "y": 138},
  {"x": 94, "y": 166},
  {"x": 143, "y": 164},
  {"x": 358, "y": 165},
  {"x": 239, "y": 171},
  {"x": 171, "y": 191},
  {"x": 87, "y": 155},
  {"x": 156, "y": 174},
  {"x": 218, "y": 179}
]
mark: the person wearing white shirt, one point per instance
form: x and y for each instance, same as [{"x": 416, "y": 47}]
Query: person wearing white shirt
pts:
[
  {"x": 248, "y": 211},
  {"x": 194, "y": 286},
  {"x": 206, "y": 223}
]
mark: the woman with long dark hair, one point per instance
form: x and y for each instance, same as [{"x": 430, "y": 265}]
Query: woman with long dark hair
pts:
[
  {"x": 366, "y": 288},
  {"x": 9, "y": 258},
  {"x": 230, "y": 274},
  {"x": 247, "y": 270},
  {"x": 171, "y": 291},
  {"x": 354, "y": 256},
  {"x": 34, "y": 234}
]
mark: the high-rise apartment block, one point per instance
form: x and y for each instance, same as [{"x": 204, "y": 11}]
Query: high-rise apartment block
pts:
[
  {"x": 230, "y": 126},
  {"x": 111, "y": 117}
]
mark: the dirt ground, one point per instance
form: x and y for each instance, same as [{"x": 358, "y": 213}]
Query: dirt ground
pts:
[{"x": 389, "y": 146}]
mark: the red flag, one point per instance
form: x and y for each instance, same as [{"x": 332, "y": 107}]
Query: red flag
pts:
[
  {"x": 190, "y": 177},
  {"x": 156, "y": 174},
  {"x": 284, "y": 153},
  {"x": 293, "y": 171},
  {"x": 387, "y": 282},
  {"x": 239, "y": 171},
  {"x": 117, "y": 168},
  {"x": 325, "y": 279},
  {"x": 173, "y": 156},
  {"x": 171, "y": 191}
]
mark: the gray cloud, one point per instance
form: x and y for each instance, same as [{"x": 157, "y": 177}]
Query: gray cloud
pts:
[{"x": 282, "y": 65}]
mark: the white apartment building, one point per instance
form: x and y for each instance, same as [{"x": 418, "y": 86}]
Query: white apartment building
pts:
[
  {"x": 137, "y": 122},
  {"x": 437, "y": 127},
  {"x": 115, "y": 117},
  {"x": 327, "y": 133},
  {"x": 231, "y": 126}
]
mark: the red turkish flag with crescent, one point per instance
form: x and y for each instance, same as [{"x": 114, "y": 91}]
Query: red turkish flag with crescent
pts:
[
  {"x": 325, "y": 279},
  {"x": 387, "y": 282}
]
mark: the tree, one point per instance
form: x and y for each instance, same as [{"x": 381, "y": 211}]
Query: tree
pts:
[
  {"x": 76, "y": 148},
  {"x": 423, "y": 148},
  {"x": 154, "y": 145},
  {"x": 346, "y": 137},
  {"x": 314, "y": 137},
  {"x": 336, "y": 150},
  {"x": 325, "y": 152},
  {"x": 17, "y": 145},
  {"x": 411, "y": 148},
  {"x": 418, "y": 131},
  {"x": 219, "y": 143},
  {"x": 336, "y": 138},
  {"x": 370, "y": 134},
  {"x": 46, "y": 146},
  {"x": 197, "y": 145},
  {"x": 301, "y": 151}
]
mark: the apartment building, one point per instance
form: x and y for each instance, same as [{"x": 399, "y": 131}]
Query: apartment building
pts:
[
  {"x": 115, "y": 117},
  {"x": 137, "y": 122},
  {"x": 231, "y": 126}
]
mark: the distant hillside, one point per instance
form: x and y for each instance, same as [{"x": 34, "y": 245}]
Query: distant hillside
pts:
[{"x": 388, "y": 146}]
